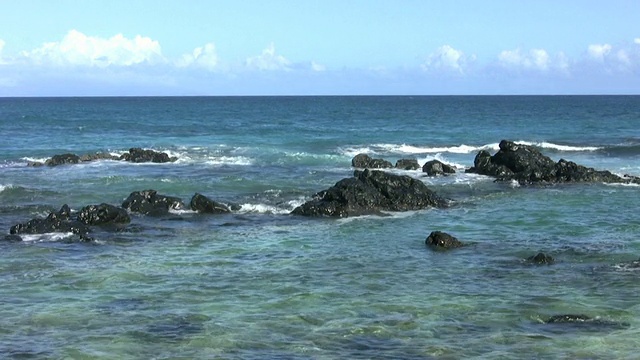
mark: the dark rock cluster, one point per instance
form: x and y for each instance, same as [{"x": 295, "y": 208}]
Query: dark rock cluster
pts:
[
  {"x": 526, "y": 165},
  {"x": 136, "y": 155},
  {"x": 370, "y": 192},
  {"x": 147, "y": 202}
]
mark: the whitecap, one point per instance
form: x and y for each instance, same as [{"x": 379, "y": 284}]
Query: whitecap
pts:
[
  {"x": 229, "y": 160},
  {"x": 47, "y": 237},
  {"x": 5, "y": 187},
  {"x": 181, "y": 211}
]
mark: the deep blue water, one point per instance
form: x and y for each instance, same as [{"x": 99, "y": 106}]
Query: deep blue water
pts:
[{"x": 260, "y": 283}]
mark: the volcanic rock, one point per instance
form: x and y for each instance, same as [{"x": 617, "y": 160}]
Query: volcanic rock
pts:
[
  {"x": 56, "y": 222},
  {"x": 203, "y": 204},
  {"x": 103, "y": 214},
  {"x": 148, "y": 202},
  {"x": 407, "y": 164},
  {"x": 138, "y": 155},
  {"x": 370, "y": 192},
  {"x": 364, "y": 161},
  {"x": 439, "y": 240},
  {"x": 436, "y": 167}
]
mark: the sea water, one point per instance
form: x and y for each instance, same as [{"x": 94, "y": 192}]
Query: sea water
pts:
[{"x": 260, "y": 283}]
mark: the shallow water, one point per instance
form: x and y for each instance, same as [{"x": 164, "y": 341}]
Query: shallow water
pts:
[{"x": 260, "y": 283}]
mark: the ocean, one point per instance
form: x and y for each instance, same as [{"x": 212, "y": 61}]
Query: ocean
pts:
[{"x": 259, "y": 283}]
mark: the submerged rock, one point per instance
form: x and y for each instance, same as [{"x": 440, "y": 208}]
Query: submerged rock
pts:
[
  {"x": 364, "y": 161},
  {"x": 439, "y": 240},
  {"x": 148, "y": 202},
  {"x": 103, "y": 214},
  {"x": 138, "y": 155},
  {"x": 435, "y": 167},
  {"x": 581, "y": 322},
  {"x": 56, "y": 222},
  {"x": 370, "y": 192},
  {"x": 541, "y": 259},
  {"x": 203, "y": 204},
  {"x": 407, "y": 164},
  {"x": 527, "y": 165}
]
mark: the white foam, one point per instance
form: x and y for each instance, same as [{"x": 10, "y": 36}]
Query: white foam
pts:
[
  {"x": 623, "y": 184},
  {"x": 262, "y": 209},
  {"x": 5, "y": 187},
  {"x": 35, "y": 160},
  {"x": 47, "y": 237},
  {"x": 181, "y": 211},
  {"x": 229, "y": 160},
  {"x": 456, "y": 149},
  {"x": 548, "y": 145}
]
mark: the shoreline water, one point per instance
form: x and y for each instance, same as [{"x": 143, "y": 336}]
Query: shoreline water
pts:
[{"x": 264, "y": 284}]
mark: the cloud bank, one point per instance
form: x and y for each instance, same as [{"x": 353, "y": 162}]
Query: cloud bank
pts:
[{"x": 120, "y": 63}]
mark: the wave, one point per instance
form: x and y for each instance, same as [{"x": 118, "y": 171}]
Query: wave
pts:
[
  {"x": 379, "y": 149},
  {"x": 47, "y": 237},
  {"x": 6, "y": 187},
  {"x": 282, "y": 208}
]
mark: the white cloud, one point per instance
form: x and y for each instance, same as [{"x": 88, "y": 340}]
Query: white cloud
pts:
[
  {"x": 268, "y": 60},
  {"x": 599, "y": 51},
  {"x": 317, "y": 67},
  {"x": 79, "y": 49},
  {"x": 449, "y": 59},
  {"x": 637, "y": 41},
  {"x": 535, "y": 59},
  {"x": 204, "y": 57}
]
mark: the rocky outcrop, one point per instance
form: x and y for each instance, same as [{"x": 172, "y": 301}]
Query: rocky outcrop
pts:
[
  {"x": 436, "y": 167},
  {"x": 407, "y": 164},
  {"x": 62, "y": 159},
  {"x": 364, "y": 161},
  {"x": 203, "y": 204},
  {"x": 541, "y": 259},
  {"x": 370, "y": 192},
  {"x": 56, "y": 222},
  {"x": 148, "y": 202},
  {"x": 439, "y": 240},
  {"x": 103, "y": 214},
  {"x": 138, "y": 155},
  {"x": 527, "y": 165}
]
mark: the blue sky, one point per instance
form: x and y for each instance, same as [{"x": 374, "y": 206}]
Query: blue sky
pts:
[{"x": 142, "y": 47}]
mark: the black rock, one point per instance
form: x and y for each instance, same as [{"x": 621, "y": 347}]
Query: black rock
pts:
[
  {"x": 370, "y": 192},
  {"x": 435, "y": 167},
  {"x": 439, "y": 240},
  {"x": 541, "y": 259},
  {"x": 148, "y": 202},
  {"x": 527, "y": 165},
  {"x": 103, "y": 214},
  {"x": 203, "y": 204},
  {"x": 98, "y": 156},
  {"x": 12, "y": 238},
  {"x": 138, "y": 155},
  {"x": 62, "y": 159},
  {"x": 407, "y": 164},
  {"x": 364, "y": 161},
  {"x": 60, "y": 221}
]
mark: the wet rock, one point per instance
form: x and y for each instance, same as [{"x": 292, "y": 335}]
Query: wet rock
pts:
[
  {"x": 541, "y": 259},
  {"x": 138, "y": 155},
  {"x": 203, "y": 204},
  {"x": 527, "y": 165},
  {"x": 103, "y": 214},
  {"x": 364, "y": 161},
  {"x": 12, "y": 238},
  {"x": 435, "y": 167},
  {"x": 63, "y": 159},
  {"x": 407, "y": 164},
  {"x": 439, "y": 240},
  {"x": 148, "y": 202},
  {"x": 98, "y": 156},
  {"x": 370, "y": 192},
  {"x": 56, "y": 222}
]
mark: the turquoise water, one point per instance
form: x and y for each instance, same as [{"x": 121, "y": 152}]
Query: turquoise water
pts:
[{"x": 260, "y": 283}]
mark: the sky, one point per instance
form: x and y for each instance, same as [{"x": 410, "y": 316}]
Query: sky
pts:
[{"x": 313, "y": 47}]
